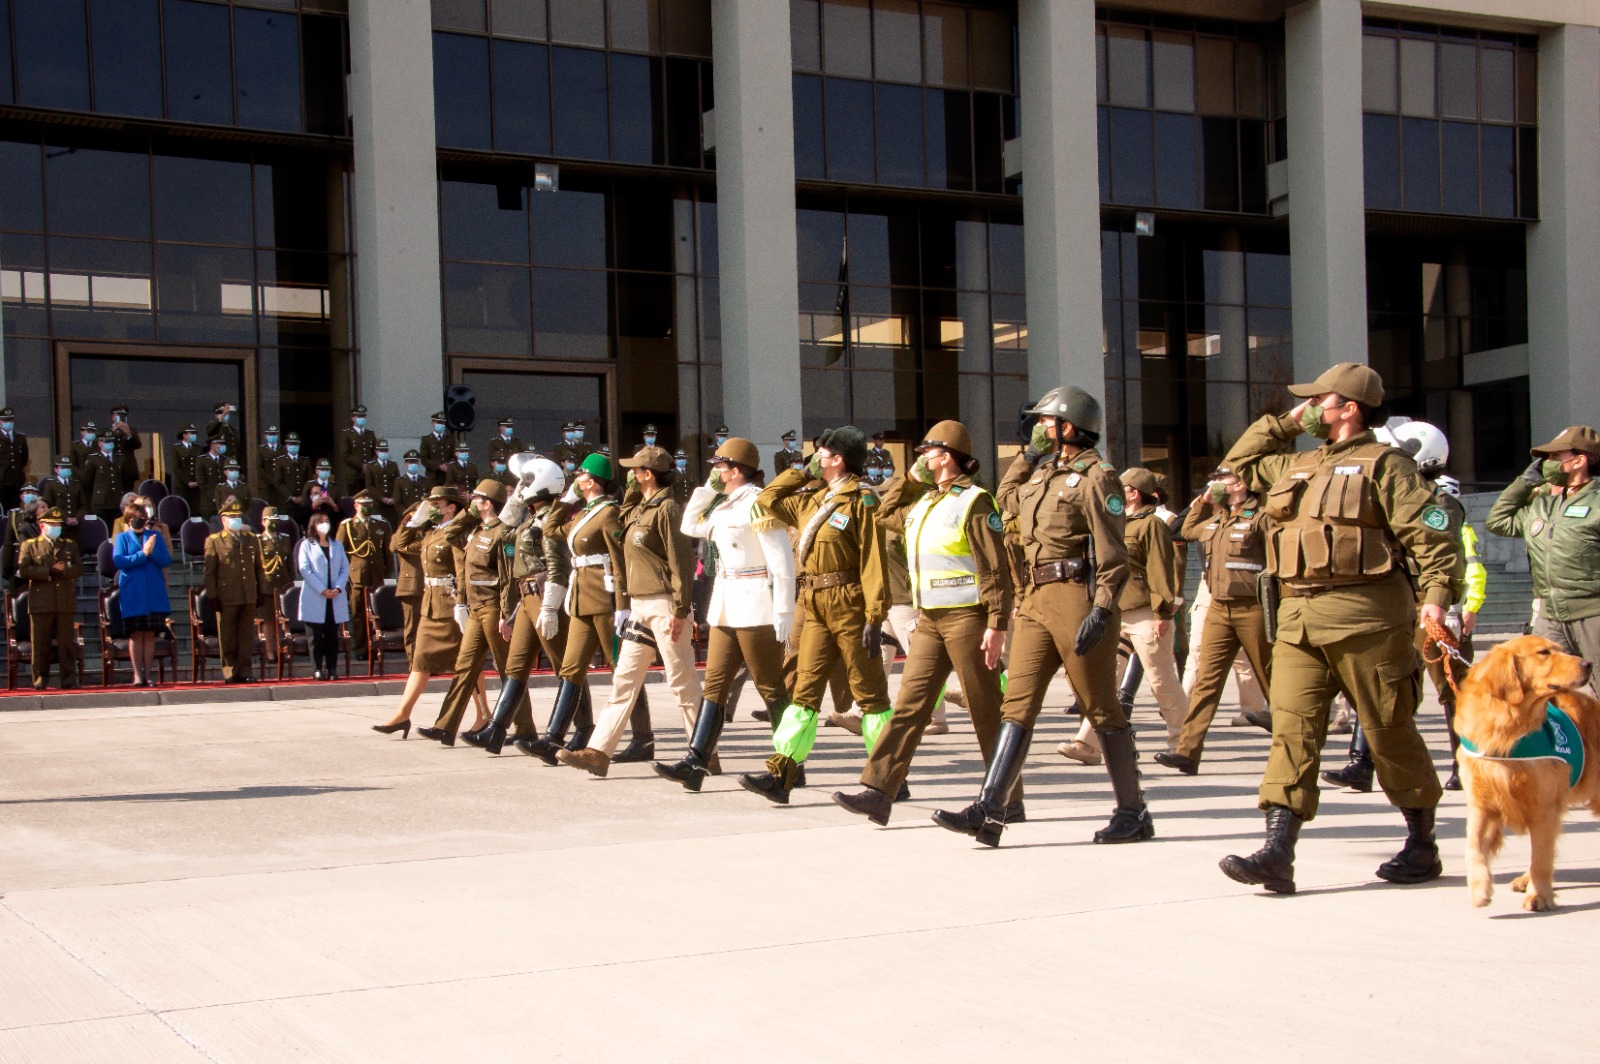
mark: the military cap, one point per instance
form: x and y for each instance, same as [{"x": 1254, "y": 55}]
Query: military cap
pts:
[
  {"x": 413, "y": 455},
  {"x": 877, "y": 437},
  {"x": 365, "y": 495},
  {"x": 505, "y": 423},
  {"x": 190, "y": 427},
  {"x": 568, "y": 427},
  {"x": 359, "y": 410},
  {"x": 652, "y": 458},
  {"x": 579, "y": 423},
  {"x": 1223, "y": 470},
  {"x": 737, "y": 449},
  {"x": 232, "y": 463},
  {"x": 650, "y": 427},
  {"x": 383, "y": 443},
  {"x": 951, "y": 436},
  {"x": 220, "y": 407},
  {"x": 598, "y": 465},
  {"x": 605, "y": 449},
  {"x": 231, "y": 509},
  {"x": 788, "y": 436},
  {"x": 679, "y": 453},
  {"x": 89, "y": 426},
  {"x": 62, "y": 460},
  {"x": 722, "y": 429},
  {"x": 51, "y": 516},
  {"x": 29, "y": 487},
  {"x": 445, "y": 493},
  {"x": 323, "y": 463},
  {"x": 293, "y": 437},
  {"x": 1349, "y": 380},
  {"x": 492, "y": 490},
  {"x": 218, "y": 438},
  {"x": 440, "y": 417},
  {"x": 1141, "y": 480},
  {"x": 272, "y": 430},
  {"x": 119, "y": 410},
  {"x": 7, "y": 412},
  {"x": 1580, "y": 438}
]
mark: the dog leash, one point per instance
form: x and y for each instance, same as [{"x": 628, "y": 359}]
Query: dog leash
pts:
[{"x": 1441, "y": 638}]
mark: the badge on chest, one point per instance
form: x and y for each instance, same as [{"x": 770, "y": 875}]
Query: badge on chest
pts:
[{"x": 840, "y": 521}]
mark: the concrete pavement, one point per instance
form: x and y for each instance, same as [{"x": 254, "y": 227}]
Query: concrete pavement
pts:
[{"x": 271, "y": 881}]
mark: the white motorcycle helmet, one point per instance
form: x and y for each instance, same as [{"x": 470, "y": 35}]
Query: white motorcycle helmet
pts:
[
  {"x": 1425, "y": 443},
  {"x": 537, "y": 476}
]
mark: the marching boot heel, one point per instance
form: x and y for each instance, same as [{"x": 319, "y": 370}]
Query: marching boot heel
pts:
[
  {"x": 494, "y": 736},
  {"x": 693, "y": 769},
  {"x": 985, "y": 819},
  {"x": 1130, "y": 821},
  {"x": 566, "y": 707}
]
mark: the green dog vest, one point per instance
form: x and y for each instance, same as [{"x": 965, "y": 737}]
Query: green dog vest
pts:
[{"x": 1556, "y": 740}]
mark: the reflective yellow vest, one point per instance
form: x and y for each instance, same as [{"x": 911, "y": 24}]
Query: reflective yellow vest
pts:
[{"x": 944, "y": 573}]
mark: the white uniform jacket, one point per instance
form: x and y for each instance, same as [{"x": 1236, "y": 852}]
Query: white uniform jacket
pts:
[{"x": 754, "y": 578}]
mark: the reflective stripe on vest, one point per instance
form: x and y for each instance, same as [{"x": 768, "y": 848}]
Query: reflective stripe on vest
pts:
[{"x": 944, "y": 574}]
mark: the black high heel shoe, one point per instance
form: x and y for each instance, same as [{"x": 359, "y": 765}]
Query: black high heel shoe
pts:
[{"x": 389, "y": 729}]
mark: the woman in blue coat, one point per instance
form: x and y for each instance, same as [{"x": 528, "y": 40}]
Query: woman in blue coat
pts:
[
  {"x": 325, "y": 572},
  {"x": 141, "y": 558}
]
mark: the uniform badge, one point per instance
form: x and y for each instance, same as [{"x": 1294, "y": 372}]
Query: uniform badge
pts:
[
  {"x": 1347, "y": 471},
  {"x": 995, "y": 524},
  {"x": 1538, "y": 526},
  {"x": 1575, "y": 511},
  {"x": 1073, "y": 480},
  {"x": 868, "y": 499},
  {"x": 839, "y": 521},
  {"x": 638, "y": 538},
  {"x": 1435, "y": 518},
  {"x": 510, "y": 550},
  {"x": 1114, "y": 505}
]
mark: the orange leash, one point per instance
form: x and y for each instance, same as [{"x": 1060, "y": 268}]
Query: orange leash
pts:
[{"x": 1447, "y": 646}]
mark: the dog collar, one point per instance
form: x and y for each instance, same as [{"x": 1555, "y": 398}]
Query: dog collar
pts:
[{"x": 1555, "y": 740}]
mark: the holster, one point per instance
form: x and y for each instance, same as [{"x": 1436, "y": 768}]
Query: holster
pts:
[{"x": 1267, "y": 589}]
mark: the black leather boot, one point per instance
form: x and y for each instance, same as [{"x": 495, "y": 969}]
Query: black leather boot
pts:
[
  {"x": 582, "y": 721},
  {"x": 691, "y": 771},
  {"x": 985, "y": 819},
  {"x": 1130, "y": 821},
  {"x": 774, "y": 784},
  {"x": 1132, "y": 677},
  {"x": 1357, "y": 774},
  {"x": 561, "y": 714},
  {"x": 494, "y": 736},
  {"x": 868, "y": 802},
  {"x": 1418, "y": 860},
  {"x": 642, "y": 743},
  {"x": 1272, "y": 866}
]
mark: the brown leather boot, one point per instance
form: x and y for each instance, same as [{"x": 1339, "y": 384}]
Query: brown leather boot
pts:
[{"x": 591, "y": 761}]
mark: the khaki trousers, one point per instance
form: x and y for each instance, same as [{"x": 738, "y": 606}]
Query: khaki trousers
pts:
[
  {"x": 677, "y": 659},
  {"x": 1252, "y": 688},
  {"x": 835, "y": 618},
  {"x": 1160, "y": 668},
  {"x": 902, "y": 623},
  {"x": 236, "y": 638},
  {"x": 1230, "y": 627},
  {"x": 42, "y": 628},
  {"x": 838, "y": 681},
  {"x": 941, "y": 641},
  {"x": 1379, "y": 672},
  {"x": 757, "y": 649},
  {"x": 584, "y": 636},
  {"x": 1042, "y": 642},
  {"x": 480, "y": 640}
]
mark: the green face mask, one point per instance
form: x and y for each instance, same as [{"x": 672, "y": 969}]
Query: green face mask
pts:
[
  {"x": 1311, "y": 421},
  {"x": 1218, "y": 493},
  {"x": 1552, "y": 472}
]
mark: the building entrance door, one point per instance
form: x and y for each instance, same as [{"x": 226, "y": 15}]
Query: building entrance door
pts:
[{"x": 539, "y": 401}]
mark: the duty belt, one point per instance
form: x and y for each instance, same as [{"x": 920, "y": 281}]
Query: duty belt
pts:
[
  {"x": 585, "y": 561},
  {"x": 530, "y": 586},
  {"x": 742, "y": 574},
  {"x": 818, "y": 581},
  {"x": 1072, "y": 569},
  {"x": 1249, "y": 567},
  {"x": 484, "y": 583},
  {"x": 439, "y": 581}
]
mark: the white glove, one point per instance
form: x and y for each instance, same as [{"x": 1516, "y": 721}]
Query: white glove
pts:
[
  {"x": 620, "y": 620},
  {"x": 548, "y": 623},
  {"x": 571, "y": 497},
  {"x": 462, "y": 614},
  {"x": 782, "y": 623},
  {"x": 419, "y": 518},
  {"x": 513, "y": 512}
]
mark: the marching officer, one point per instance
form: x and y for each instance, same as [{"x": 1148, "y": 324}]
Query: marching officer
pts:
[
  {"x": 462, "y": 474},
  {"x": 1346, "y": 515},
  {"x": 505, "y": 443},
  {"x": 221, "y": 427},
  {"x": 210, "y": 470},
  {"x": 1069, "y": 507},
  {"x": 1229, "y": 524},
  {"x": 279, "y": 571},
  {"x": 789, "y": 457},
  {"x": 366, "y": 543},
  {"x": 65, "y": 492},
  {"x": 358, "y": 445},
  {"x": 844, "y": 594},
  {"x": 413, "y": 484},
  {"x": 961, "y": 588},
  {"x": 486, "y": 570},
  {"x": 232, "y": 488},
  {"x": 292, "y": 470},
  {"x": 540, "y": 568},
  {"x": 382, "y": 477},
  {"x": 51, "y": 564},
  {"x": 13, "y": 458},
  {"x": 185, "y": 476},
  {"x": 103, "y": 481},
  {"x": 22, "y": 524},
  {"x": 271, "y": 488},
  {"x": 236, "y": 581},
  {"x": 434, "y": 450},
  {"x": 125, "y": 441}
]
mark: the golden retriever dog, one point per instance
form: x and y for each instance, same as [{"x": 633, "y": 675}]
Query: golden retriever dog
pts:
[{"x": 1503, "y": 699}]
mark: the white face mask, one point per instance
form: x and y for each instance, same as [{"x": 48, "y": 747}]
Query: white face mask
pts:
[
  {"x": 383, "y": 456},
  {"x": 150, "y": 512},
  {"x": 234, "y": 523},
  {"x": 53, "y": 531},
  {"x": 322, "y": 528}
]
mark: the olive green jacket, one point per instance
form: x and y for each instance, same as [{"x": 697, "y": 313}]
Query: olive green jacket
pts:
[{"x": 1563, "y": 536}]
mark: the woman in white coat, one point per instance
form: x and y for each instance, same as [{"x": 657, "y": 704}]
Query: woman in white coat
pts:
[
  {"x": 324, "y": 601},
  {"x": 752, "y": 599}
]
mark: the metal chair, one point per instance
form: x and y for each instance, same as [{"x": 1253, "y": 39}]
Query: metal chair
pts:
[
  {"x": 153, "y": 490},
  {"x": 115, "y": 644},
  {"x": 386, "y": 627},
  {"x": 19, "y": 643}
]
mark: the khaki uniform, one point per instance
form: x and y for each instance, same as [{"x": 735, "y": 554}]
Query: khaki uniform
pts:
[
  {"x": 1149, "y": 597},
  {"x": 70, "y": 498},
  {"x": 105, "y": 484},
  {"x": 1344, "y": 517},
  {"x": 52, "y": 601},
  {"x": 486, "y": 570},
  {"x": 216, "y": 430},
  {"x": 536, "y": 560},
  {"x": 1234, "y": 539},
  {"x": 124, "y": 449},
  {"x": 1069, "y": 514},
  {"x": 785, "y": 460},
  {"x": 357, "y": 448},
  {"x": 408, "y": 586},
  {"x": 501, "y": 449},
  {"x": 277, "y": 565},
  {"x": 441, "y": 554},
  {"x": 366, "y": 544},
  {"x": 224, "y": 493},
  {"x": 236, "y": 581},
  {"x": 436, "y": 451},
  {"x": 843, "y": 585},
  {"x": 945, "y": 638},
  {"x": 593, "y": 536},
  {"x": 464, "y": 477},
  {"x": 21, "y": 526}
]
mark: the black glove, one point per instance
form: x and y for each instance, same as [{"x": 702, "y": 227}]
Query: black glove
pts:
[
  {"x": 1534, "y": 474},
  {"x": 872, "y": 638},
  {"x": 1091, "y": 631}
]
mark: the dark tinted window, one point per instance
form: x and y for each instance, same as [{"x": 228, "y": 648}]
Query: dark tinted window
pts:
[
  {"x": 98, "y": 193},
  {"x": 635, "y": 81},
  {"x": 199, "y": 63},
  {"x": 267, "y": 52},
  {"x": 484, "y": 221},
  {"x": 22, "y": 206},
  {"x": 579, "y": 79},
  {"x": 521, "y": 97},
  {"x": 849, "y": 130},
  {"x": 1175, "y": 161},
  {"x": 461, "y": 99},
  {"x": 1421, "y": 140},
  {"x": 202, "y": 201},
  {"x": 291, "y": 203},
  {"x": 1381, "y": 155},
  {"x": 1132, "y": 177},
  {"x": 127, "y": 56},
  {"x": 809, "y": 160},
  {"x": 569, "y": 228},
  {"x": 571, "y": 316},
  {"x": 322, "y": 44},
  {"x": 5, "y": 51},
  {"x": 205, "y": 294},
  {"x": 948, "y": 116},
  {"x": 52, "y": 51},
  {"x": 899, "y": 114}
]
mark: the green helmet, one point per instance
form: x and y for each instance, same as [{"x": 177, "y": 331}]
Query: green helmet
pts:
[
  {"x": 598, "y": 465},
  {"x": 1067, "y": 403}
]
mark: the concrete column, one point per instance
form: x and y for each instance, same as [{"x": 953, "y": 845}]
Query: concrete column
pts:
[
  {"x": 760, "y": 295},
  {"x": 1061, "y": 195},
  {"x": 1327, "y": 194},
  {"x": 400, "y": 372},
  {"x": 1564, "y": 245}
]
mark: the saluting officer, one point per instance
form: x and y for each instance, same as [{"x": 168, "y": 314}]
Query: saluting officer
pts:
[
  {"x": 1069, "y": 508},
  {"x": 291, "y": 471},
  {"x": 408, "y": 585},
  {"x": 961, "y": 588},
  {"x": 789, "y": 457},
  {"x": 65, "y": 492},
  {"x": 434, "y": 450},
  {"x": 13, "y": 458},
  {"x": 1229, "y": 524},
  {"x": 382, "y": 477},
  {"x": 844, "y": 596},
  {"x": 221, "y": 427},
  {"x": 50, "y": 563},
  {"x": 366, "y": 543},
  {"x": 270, "y": 489},
  {"x": 236, "y": 581},
  {"x": 505, "y": 443},
  {"x": 1345, "y": 516},
  {"x": 357, "y": 446}
]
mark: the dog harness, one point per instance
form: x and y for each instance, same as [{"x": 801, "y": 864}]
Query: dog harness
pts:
[{"x": 1556, "y": 740}]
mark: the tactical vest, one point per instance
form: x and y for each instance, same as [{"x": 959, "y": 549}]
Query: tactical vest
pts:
[
  {"x": 1329, "y": 529},
  {"x": 943, "y": 571},
  {"x": 1236, "y": 553}
]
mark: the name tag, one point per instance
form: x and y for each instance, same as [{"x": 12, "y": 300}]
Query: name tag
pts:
[
  {"x": 1575, "y": 511},
  {"x": 839, "y": 521},
  {"x": 1347, "y": 470},
  {"x": 1299, "y": 476}
]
